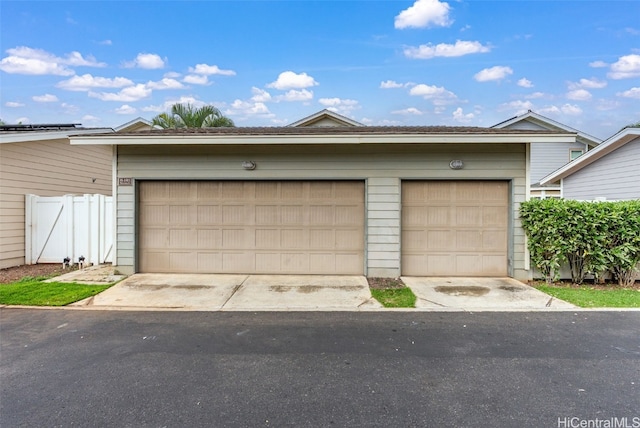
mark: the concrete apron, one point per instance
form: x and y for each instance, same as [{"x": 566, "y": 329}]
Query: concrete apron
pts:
[
  {"x": 477, "y": 294},
  {"x": 215, "y": 292}
]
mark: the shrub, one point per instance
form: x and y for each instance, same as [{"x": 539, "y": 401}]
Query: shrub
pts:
[{"x": 593, "y": 237}]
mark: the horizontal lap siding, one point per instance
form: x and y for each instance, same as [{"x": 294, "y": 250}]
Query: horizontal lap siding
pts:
[
  {"x": 615, "y": 176},
  {"x": 383, "y": 168},
  {"x": 44, "y": 168}
]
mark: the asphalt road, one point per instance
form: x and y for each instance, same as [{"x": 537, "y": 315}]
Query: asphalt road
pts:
[{"x": 393, "y": 369}]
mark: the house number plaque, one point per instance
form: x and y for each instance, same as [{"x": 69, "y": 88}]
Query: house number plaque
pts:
[{"x": 125, "y": 182}]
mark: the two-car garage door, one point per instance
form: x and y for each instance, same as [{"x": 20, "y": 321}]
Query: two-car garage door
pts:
[{"x": 278, "y": 227}]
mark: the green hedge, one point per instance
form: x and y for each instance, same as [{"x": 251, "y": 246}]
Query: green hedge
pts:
[{"x": 593, "y": 237}]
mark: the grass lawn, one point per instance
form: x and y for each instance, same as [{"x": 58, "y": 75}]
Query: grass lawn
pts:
[
  {"x": 395, "y": 297},
  {"x": 590, "y": 297},
  {"x": 36, "y": 292}
]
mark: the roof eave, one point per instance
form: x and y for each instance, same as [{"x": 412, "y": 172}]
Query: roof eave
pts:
[
  {"x": 299, "y": 139},
  {"x": 21, "y": 137}
]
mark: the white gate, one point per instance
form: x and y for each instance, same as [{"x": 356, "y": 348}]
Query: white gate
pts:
[{"x": 68, "y": 226}]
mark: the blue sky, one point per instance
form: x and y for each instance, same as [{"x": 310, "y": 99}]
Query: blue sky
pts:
[{"x": 270, "y": 63}]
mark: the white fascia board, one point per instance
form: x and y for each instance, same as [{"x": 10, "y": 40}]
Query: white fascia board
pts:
[
  {"x": 606, "y": 147},
  {"x": 21, "y": 137},
  {"x": 222, "y": 140}
]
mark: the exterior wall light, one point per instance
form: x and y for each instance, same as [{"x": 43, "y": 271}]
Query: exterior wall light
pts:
[
  {"x": 456, "y": 164},
  {"x": 249, "y": 165}
]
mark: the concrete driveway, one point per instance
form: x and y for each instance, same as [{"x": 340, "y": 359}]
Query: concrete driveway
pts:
[
  {"x": 214, "y": 292},
  {"x": 211, "y": 292},
  {"x": 477, "y": 294}
]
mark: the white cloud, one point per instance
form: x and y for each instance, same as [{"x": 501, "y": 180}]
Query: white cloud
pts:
[
  {"x": 459, "y": 116},
  {"x": 46, "y": 98},
  {"x": 125, "y": 109},
  {"x": 165, "y": 83},
  {"x": 196, "y": 79},
  {"x": 390, "y": 84},
  {"x": 579, "y": 95},
  {"x": 69, "y": 108},
  {"x": 411, "y": 111},
  {"x": 606, "y": 105},
  {"x": 497, "y": 72},
  {"x": 567, "y": 109},
  {"x": 147, "y": 61},
  {"x": 172, "y": 74},
  {"x": 339, "y": 105},
  {"x": 460, "y": 48},
  {"x": 87, "y": 81},
  {"x": 90, "y": 118},
  {"x": 13, "y": 104},
  {"x": 588, "y": 83},
  {"x": 626, "y": 67},
  {"x": 437, "y": 94},
  {"x": 598, "y": 64},
  {"x": 534, "y": 95},
  {"x": 24, "y": 60},
  {"x": 291, "y": 80},
  {"x": 208, "y": 70},
  {"x": 106, "y": 42},
  {"x": 518, "y": 106},
  {"x": 423, "y": 14},
  {"x": 260, "y": 95},
  {"x": 631, "y": 93},
  {"x": 294, "y": 95},
  {"x": 245, "y": 108},
  {"x": 525, "y": 83},
  {"x": 132, "y": 93}
]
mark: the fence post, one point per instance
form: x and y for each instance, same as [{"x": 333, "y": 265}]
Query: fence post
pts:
[{"x": 28, "y": 228}]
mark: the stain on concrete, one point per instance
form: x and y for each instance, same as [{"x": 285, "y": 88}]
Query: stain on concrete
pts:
[
  {"x": 511, "y": 288},
  {"x": 463, "y": 290}
]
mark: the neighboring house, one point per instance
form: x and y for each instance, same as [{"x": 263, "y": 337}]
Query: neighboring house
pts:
[
  {"x": 611, "y": 171},
  {"x": 38, "y": 159},
  {"x": 324, "y": 118},
  {"x": 546, "y": 158},
  {"x": 323, "y": 199},
  {"x": 138, "y": 124}
]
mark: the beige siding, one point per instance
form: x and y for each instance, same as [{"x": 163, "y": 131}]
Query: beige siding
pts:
[
  {"x": 44, "y": 168},
  {"x": 382, "y": 166}
]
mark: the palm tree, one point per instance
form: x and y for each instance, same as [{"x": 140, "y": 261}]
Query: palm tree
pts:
[{"x": 189, "y": 116}]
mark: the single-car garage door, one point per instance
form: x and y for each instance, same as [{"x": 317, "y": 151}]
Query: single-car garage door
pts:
[
  {"x": 455, "y": 228},
  {"x": 271, "y": 227}
]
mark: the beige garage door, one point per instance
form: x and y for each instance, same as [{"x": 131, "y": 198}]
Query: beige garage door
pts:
[
  {"x": 288, "y": 227},
  {"x": 455, "y": 228}
]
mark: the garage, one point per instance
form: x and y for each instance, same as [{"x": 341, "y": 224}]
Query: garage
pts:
[
  {"x": 252, "y": 227},
  {"x": 455, "y": 228}
]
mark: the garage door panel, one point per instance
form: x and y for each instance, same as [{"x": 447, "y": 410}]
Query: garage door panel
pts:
[
  {"x": 209, "y": 262},
  {"x": 209, "y": 214},
  {"x": 252, "y": 227},
  {"x": 468, "y": 216},
  {"x": 455, "y": 228}
]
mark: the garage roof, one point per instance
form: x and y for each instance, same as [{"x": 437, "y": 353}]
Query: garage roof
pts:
[{"x": 326, "y": 135}]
